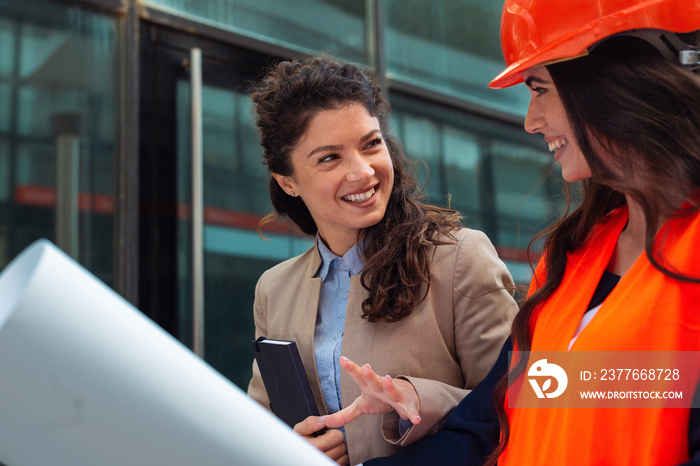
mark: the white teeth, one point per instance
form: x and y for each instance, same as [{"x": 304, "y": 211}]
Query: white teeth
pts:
[
  {"x": 558, "y": 144},
  {"x": 359, "y": 197}
]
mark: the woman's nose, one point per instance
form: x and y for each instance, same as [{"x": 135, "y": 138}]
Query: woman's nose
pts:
[
  {"x": 533, "y": 118},
  {"x": 360, "y": 169}
]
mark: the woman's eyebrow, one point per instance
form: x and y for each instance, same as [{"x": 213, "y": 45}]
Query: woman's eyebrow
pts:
[
  {"x": 534, "y": 79},
  {"x": 323, "y": 149},
  {"x": 370, "y": 134}
]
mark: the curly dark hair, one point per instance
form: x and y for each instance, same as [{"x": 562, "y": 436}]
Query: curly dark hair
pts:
[
  {"x": 636, "y": 119},
  {"x": 397, "y": 255}
]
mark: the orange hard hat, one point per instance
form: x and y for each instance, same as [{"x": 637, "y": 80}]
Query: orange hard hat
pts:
[{"x": 536, "y": 32}]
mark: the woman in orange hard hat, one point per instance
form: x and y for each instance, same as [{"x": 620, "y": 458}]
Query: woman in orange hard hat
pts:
[{"x": 615, "y": 92}]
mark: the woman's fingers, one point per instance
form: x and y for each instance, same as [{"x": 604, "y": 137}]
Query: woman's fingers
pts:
[
  {"x": 379, "y": 395},
  {"x": 404, "y": 398},
  {"x": 353, "y": 370},
  {"x": 345, "y": 415},
  {"x": 331, "y": 442},
  {"x": 389, "y": 388},
  {"x": 372, "y": 380},
  {"x": 308, "y": 426},
  {"x": 368, "y": 381},
  {"x": 339, "y": 454}
]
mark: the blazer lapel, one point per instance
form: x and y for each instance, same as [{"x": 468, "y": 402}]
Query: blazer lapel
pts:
[{"x": 303, "y": 323}]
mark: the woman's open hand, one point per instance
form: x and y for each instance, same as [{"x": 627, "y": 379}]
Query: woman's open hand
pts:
[{"x": 379, "y": 395}]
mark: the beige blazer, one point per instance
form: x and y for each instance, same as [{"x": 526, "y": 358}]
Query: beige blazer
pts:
[{"x": 444, "y": 348}]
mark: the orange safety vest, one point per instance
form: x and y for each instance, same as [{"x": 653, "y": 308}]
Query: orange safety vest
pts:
[{"x": 646, "y": 311}]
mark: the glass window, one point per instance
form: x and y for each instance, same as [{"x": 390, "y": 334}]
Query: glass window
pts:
[
  {"x": 462, "y": 166},
  {"x": 420, "y": 138},
  {"x": 333, "y": 26},
  {"x": 452, "y": 47},
  {"x": 449, "y": 161},
  {"x": 7, "y": 38},
  {"x": 5, "y": 96},
  {"x": 525, "y": 197},
  {"x": 4, "y": 172},
  {"x": 57, "y": 130},
  {"x": 236, "y": 179},
  {"x": 492, "y": 173}
]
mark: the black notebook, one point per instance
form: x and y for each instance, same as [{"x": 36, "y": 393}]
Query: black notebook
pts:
[{"x": 285, "y": 380}]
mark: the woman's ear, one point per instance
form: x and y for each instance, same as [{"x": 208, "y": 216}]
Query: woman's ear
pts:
[{"x": 286, "y": 183}]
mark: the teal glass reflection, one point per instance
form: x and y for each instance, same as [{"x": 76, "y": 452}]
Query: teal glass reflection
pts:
[
  {"x": 526, "y": 197},
  {"x": 463, "y": 162},
  {"x": 235, "y": 179},
  {"x": 5, "y": 96},
  {"x": 420, "y": 137},
  {"x": 451, "y": 47},
  {"x": 4, "y": 173},
  {"x": 495, "y": 175},
  {"x": 58, "y": 110},
  {"x": 7, "y": 39},
  {"x": 449, "y": 159},
  {"x": 336, "y": 27}
]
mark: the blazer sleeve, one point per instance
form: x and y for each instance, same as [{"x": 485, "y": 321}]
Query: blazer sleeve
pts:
[
  {"x": 256, "y": 389},
  {"x": 470, "y": 433},
  {"x": 483, "y": 310}
]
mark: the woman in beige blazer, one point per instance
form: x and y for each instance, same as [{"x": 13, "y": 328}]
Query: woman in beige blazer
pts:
[{"x": 391, "y": 281}]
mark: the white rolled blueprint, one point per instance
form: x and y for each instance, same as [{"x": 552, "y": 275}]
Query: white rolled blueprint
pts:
[{"x": 87, "y": 380}]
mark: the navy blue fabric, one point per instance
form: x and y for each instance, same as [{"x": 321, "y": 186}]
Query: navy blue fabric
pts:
[{"x": 694, "y": 432}]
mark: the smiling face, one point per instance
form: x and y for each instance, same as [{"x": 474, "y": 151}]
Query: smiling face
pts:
[
  {"x": 343, "y": 172},
  {"x": 546, "y": 115}
]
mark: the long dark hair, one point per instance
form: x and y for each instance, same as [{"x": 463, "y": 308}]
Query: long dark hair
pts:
[
  {"x": 397, "y": 256},
  {"x": 636, "y": 118}
]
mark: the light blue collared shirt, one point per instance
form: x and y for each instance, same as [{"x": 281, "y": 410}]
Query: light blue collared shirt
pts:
[{"x": 335, "y": 273}]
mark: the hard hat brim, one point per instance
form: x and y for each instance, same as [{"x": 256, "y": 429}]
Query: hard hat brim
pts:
[{"x": 512, "y": 75}]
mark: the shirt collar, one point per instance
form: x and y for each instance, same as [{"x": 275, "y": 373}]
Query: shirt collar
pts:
[{"x": 353, "y": 258}]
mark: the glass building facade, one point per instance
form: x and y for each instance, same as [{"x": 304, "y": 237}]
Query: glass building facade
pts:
[{"x": 114, "y": 112}]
